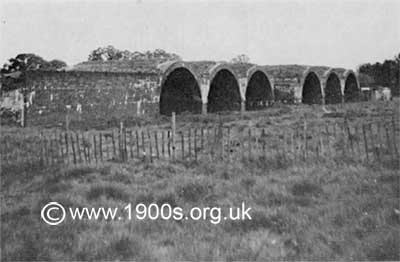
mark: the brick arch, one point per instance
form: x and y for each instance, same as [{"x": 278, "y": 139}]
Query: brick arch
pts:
[
  {"x": 311, "y": 88},
  {"x": 351, "y": 87},
  {"x": 224, "y": 92},
  {"x": 180, "y": 90},
  {"x": 332, "y": 87},
  {"x": 171, "y": 66},
  {"x": 259, "y": 88}
]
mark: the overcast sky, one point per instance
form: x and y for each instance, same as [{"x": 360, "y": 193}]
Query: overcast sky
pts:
[{"x": 333, "y": 33}]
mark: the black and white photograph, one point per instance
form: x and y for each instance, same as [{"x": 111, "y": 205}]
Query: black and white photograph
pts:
[{"x": 199, "y": 130}]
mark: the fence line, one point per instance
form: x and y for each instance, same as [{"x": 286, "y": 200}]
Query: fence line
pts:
[{"x": 376, "y": 141}]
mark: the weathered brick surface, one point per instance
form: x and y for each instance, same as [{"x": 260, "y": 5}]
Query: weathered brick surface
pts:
[
  {"x": 99, "y": 87},
  {"x": 91, "y": 91}
]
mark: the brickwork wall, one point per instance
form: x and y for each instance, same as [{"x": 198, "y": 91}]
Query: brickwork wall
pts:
[{"x": 93, "y": 92}]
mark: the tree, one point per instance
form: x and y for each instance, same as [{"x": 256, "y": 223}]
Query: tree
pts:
[
  {"x": 24, "y": 62},
  {"x": 111, "y": 53},
  {"x": 57, "y": 64},
  {"x": 384, "y": 74},
  {"x": 13, "y": 70},
  {"x": 240, "y": 59},
  {"x": 105, "y": 54}
]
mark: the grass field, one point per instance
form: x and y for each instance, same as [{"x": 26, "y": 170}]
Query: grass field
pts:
[{"x": 334, "y": 209}]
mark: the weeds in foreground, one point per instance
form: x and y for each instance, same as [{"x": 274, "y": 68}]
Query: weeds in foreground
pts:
[{"x": 315, "y": 211}]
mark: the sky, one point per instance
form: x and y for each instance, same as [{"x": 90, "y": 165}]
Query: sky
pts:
[{"x": 339, "y": 33}]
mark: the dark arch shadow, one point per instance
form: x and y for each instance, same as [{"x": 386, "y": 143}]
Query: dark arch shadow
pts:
[
  {"x": 259, "y": 91},
  {"x": 180, "y": 92},
  {"x": 311, "y": 90},
  {"x": 333, "y": 93},
  {"x": 351, "y": 92},
  {"x": 224, "y": 93}
]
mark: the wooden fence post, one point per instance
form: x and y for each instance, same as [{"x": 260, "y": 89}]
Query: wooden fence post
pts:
[
  {"x": 173, "y": 125},
  {"x": 183, "y": 145},
  {"x": 66, "y": 146},
  {"x": 202, "y": 138},
  {"x": 305, "y": 139},
  {"x": 169, "y": 143},
  {"x": 131, "y": 143},
  {"x": 156, "y": 144},
  {"x": 376, "y": 146},
  {"x": 120, "y": 145},
  {"x": 228, "y": 137},
  {"x": 249, "y": 145},
  {"x": 137, "y": 144},
  {"x": 291, "y": 145},
  {"x": 328, "y": 141},
  {"x": 389, "y": 144},
  {"x": 162, "y": 143},
  {"x": 67, "y": 121},
  {"x": 372, "y": 145},
  {"x": 78, "y": 147},
  {"x": 73, "y": 148},
  {"x": 53, "y": 136},
  {"x": 41, "y": 144},
  {"x": 357, "y": 136},
  {"x": 52, "y": 156},
  {"x": 285, "y": 145},
  {"x": 101, "y": 145},
  {"x": 321, "y": 141},
  {"x": 113, "y": 143},
  {"x": 350, "y": 138},
  {"x": 46, "y": 162},
  {"x": 365, "y": 142},
  {"x": 189, "y": 144},
  {"x": 143, "y": 144},
  {"x": 60, "y": 140},
  {"x": 125, "y": 145},
  {"x": 195, "y": 144},
  {"x": 150, "y": 147},
  {"x": 95, "y": 147},
  {"x": 86, "y": 159}
]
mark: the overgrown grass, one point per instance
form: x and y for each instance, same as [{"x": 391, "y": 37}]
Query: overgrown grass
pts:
[
  {"x": 335, "y": 209},
  {"x": 312, "y": 211}
]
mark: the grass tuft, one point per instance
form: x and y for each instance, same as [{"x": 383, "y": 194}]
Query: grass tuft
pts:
[
  {"x": 109, "y": 191},
  {"x": 306, "y": 188}
]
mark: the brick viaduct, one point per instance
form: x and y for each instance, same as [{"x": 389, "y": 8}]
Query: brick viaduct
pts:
[
  {"x": 210, "y": 87},
  {"x": 198, "y": 87}
]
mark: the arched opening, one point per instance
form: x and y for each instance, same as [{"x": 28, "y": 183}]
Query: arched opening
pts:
[
  {"x": 311, "y": 90},
  {"x": 224, "y": 93},
  {"x": 179, "y": 93},
  {"x": 351, "y": 92},
  {"x": 259, "y": 91},
  {"x": 333, "y": 93}
]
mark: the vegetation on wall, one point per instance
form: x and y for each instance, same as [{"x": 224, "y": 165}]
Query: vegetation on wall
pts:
[
  {"x": 111, "y": 53},
  {"x": 240, "y": 59}
]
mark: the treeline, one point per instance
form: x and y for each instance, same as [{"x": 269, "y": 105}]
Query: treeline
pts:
[{"x": 384, "y": 74}]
